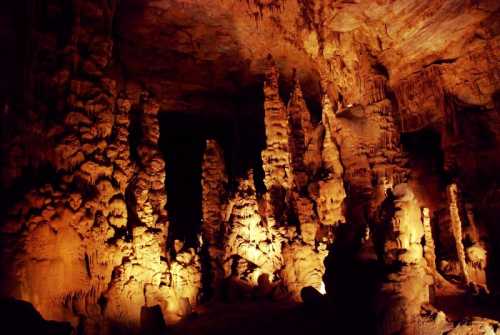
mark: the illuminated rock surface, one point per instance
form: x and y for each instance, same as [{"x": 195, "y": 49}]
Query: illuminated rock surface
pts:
[{"x": 345, "y": 156}]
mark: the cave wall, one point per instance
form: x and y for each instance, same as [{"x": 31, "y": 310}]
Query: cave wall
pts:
[{"x": 84, "y": 230}]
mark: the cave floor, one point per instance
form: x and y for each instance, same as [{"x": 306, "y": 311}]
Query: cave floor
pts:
[
  {"x": 269, "y": 317},
  {"x": 458, "y": 305},
  {"x": 261, "y": 317}
]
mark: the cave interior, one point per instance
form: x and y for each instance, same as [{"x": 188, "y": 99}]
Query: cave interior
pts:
[{"x": 242, "y": 167}]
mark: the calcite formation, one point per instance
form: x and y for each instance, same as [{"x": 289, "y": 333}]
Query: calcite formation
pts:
[
  {"x": 377, "y": 118},
  {"x": 252, "y": 248},
  {"x": 214, "y": 200},
  {"x": 276, "y": 157},
  {"x": 331, "y": 186},
  {"x": 406, "y": 291},
  {"x": 456, "y": 226},
  {"x": 429, "y": 247},
  {"x": 300, "y": 130}
]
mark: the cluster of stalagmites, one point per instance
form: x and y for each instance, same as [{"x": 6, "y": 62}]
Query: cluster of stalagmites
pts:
[
  {"x": 90, "y": 248},
  {"x": 381, "y": 198},
  {"x": 303, "y": 178},
  {"x": 93, "y": 245}
]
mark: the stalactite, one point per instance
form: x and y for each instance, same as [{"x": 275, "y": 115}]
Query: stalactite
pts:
[
  {"x": 373, "y": 89},
  {"x": 474, "y": 234},
  {"x": 421, "y": 98},
  {"x": 456, "y": 223}
]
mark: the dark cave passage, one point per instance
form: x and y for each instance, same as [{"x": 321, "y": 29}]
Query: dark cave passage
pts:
[
  {"x": 426, "y": 159},
  {"x": 182, "y": 141}
]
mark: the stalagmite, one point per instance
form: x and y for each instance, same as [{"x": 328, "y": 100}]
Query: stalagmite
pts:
[
  {"x": 149, "y": 192},
  {"x": 476, "y": 253},
  {"x": 348, "y": 222},
  {"x": 331, "y": 186},
  {"x": 303, "y": 267},
  {"x": 456, "y": 224},
  {"x": 429, "y": 248},
  {"x": 248, "y": 241},
  {"x": 276, "y": 158},
  {"x": 404, "y": 296},
  {"x": 214, "y": 198},
  {"x": 300, "y": 134}
]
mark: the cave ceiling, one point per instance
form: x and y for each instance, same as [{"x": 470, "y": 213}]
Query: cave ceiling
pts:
[{"x": 195, "y": 55}]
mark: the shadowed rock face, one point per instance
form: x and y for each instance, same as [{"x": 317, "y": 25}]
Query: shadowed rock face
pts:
[{"x": 283, "y": 132}]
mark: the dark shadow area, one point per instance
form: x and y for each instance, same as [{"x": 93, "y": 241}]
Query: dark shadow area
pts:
[
  {"x": 152, "y": 322},
  {"x": 426, "y": 161},
  {"x": 183, "y": 139},
  {"x": 262, "y": 317},
  {"x": 19, "y": 317},
  {"x": 352, "y": 279}
]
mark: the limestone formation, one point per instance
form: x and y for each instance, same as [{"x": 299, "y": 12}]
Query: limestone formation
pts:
[
  {"x": 402, "y": 98},
  {"x": 256, "y": 247},
  {"x": 276, "y": 158},
  {"x": 214, "y": 202},
  {"x": 300, "y": 134},
  {"x": 429, "y": 247},
  {"x": 331, "y": 186},
  {"x": 303, "y": 267},
  {"x": 476, "y": 253},
  {"x": 406, "y": 290},
  {"x": 456, "y": 226}
]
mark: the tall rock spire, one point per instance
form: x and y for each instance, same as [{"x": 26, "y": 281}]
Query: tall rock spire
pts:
[
  {"x": 214, "y": 183},
  {"x": 300, "y": 134},
  {"x": 276, "y": 158}
]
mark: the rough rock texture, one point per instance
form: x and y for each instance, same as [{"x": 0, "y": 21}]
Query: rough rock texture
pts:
[
  {"x": 429, "y": 247},
  {"x": 300, "y": 129},
  {"x": 303, "y": 267},
  {"x": 406, "y": 289},
  {"x": 214, "y": 188},
  {"x": 331, "y": 186},
  {"x": 252, "y": 248},
  {"x": 456, "y": 226},
  {"x": 84, "y": 233},
  {"x": 276, "y": 157},
  {"x": 75, "y": 243}
]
